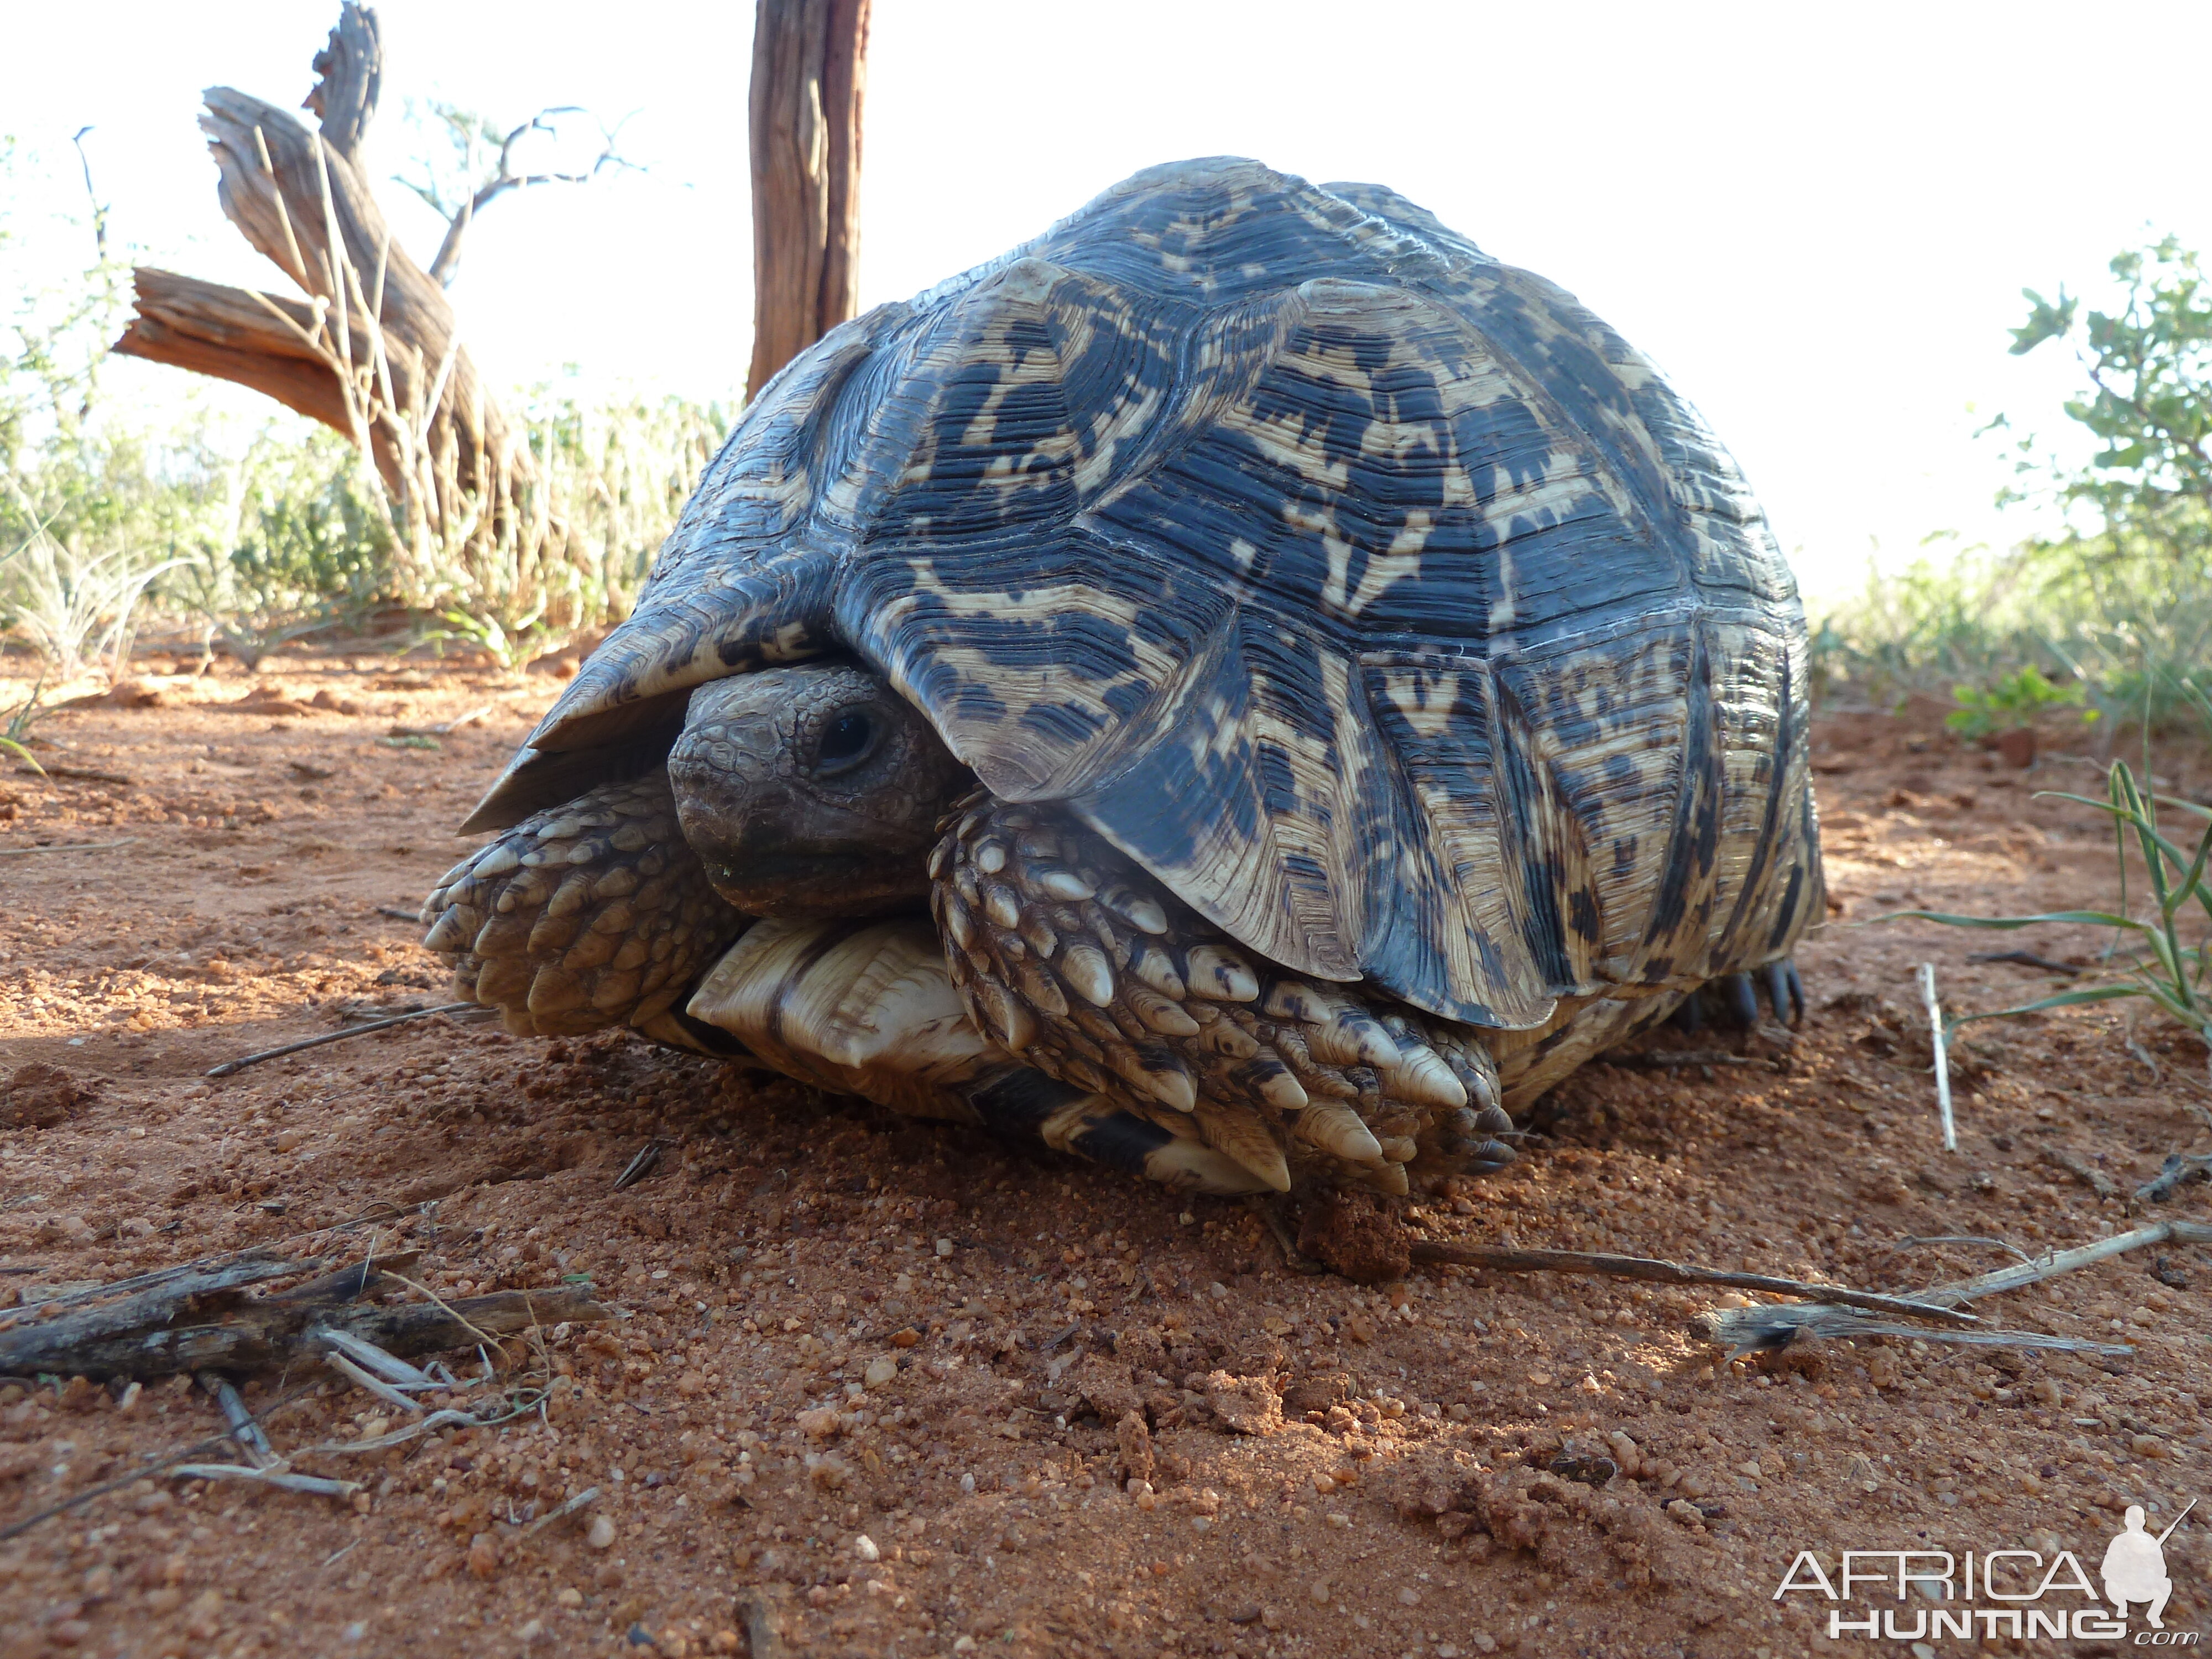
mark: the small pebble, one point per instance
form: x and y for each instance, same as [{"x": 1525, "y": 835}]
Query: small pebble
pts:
[
  {"x": 865, "y": 1547},
  {"x": 1319, "y": 1591},
  {"x": 571, "y": 1598},
  {"x": 601, "y": 1535},
  {"x": 483, "y": 1555},
  {"x": 944, "y": 1246},
  {"x": 880, "y": 1370}
]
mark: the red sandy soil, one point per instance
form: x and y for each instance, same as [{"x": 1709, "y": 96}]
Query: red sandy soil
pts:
[{"x": 1334, "y": 1469}]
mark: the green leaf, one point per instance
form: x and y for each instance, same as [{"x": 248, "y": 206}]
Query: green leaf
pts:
[
  {"x": 2076, "y": 999},
  {"x": 2050, "y": 918}
]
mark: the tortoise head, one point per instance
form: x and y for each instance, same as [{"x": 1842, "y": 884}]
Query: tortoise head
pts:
[{"x": 812, "y": 790}]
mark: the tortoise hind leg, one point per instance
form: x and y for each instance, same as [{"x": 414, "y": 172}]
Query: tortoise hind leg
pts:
[
  {"x": 1732, "y": 1000},
  {"x": 1076, "y": 962},
  {"x": 588, "y": 914}
]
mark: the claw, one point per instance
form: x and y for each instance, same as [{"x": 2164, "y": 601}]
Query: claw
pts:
[
  {"x": 1488, "y": 1157},
  {"x": 1776, "y": 977},
  {"x": 1743, "y": 1001}
]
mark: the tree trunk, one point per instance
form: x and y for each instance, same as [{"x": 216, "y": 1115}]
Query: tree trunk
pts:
[
  {"x": 810, "y": 70},
  {"x": 375, "y": 353}
]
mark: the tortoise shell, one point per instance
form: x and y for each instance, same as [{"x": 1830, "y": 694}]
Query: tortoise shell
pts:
[{"x": 1371, "y": 593}]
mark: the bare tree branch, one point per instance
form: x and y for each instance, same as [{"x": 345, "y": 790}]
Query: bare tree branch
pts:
[{"x": 448, "y": 264}]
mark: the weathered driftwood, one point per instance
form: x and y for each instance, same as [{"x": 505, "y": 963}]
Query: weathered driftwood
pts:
[
  {"x": 1501, "y": 1258},
  {"x": 203, "y": 1320},
  {"x": 810, "y": 70}
]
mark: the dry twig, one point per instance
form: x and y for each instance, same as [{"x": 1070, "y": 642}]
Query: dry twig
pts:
[
  {"x": 2049, "y": 1266},
  {"x": 1510, "y": 1258},
  {"x": 2178, "y": 1168},
  {"x": 1938, "y": 1038},
  {"x": 72, "y": 847},
  {"x": 443, "y": 728},
  {"x": 1748, "y": 1330},
  {"x": 315, "y": 1484},
  {"x": 2088, "y": 1175},
  {"x": 588, "y": 1495},
  {"x": 82, "y": 774},
  {"x": 2025, "y": 959},
  {"x": 243, "y": 1060},
  {"x": 79, "y": 1499}
]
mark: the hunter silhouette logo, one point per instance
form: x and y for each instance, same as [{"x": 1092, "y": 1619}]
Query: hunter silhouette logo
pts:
[
  {"x": 2020, "y": 1595},
  {"x": 2135, "y": 1566}
]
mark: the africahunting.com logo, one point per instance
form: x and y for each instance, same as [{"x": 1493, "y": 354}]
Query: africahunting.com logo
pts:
[{"x": 2026, "y": 1596}]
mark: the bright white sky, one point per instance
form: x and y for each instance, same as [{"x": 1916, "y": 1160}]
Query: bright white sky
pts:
[{"x": 1817, "y": 219}]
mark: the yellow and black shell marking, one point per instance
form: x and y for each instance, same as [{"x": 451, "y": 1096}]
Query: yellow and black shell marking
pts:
[{"x": 1371, "y": 595}]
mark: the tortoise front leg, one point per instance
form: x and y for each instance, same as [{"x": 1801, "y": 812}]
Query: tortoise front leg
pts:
[
  {"x": 589, "y": 914},
  {"x": 1076, "y": 962}
]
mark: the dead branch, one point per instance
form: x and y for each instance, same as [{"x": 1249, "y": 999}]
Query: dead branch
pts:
[
  {"x": 153, "y": 1297},
  {"x": 1500, "y": 1258},
  {"x": 231, "y": 334},
  {"x": 201, "y": 1322},
  {"x": 375, "y": 316}
]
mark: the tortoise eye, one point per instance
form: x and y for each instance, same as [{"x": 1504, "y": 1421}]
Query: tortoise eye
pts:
[{"x": 846, "y": 742}]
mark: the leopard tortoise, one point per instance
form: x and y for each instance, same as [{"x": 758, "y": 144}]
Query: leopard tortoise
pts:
[{"x": 1246, "y": 687}]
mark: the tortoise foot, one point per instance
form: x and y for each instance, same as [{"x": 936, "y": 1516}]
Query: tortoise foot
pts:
[{"x": 1731, "y": 1002}]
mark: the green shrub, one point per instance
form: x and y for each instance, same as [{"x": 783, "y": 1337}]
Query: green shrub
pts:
[{"x": 2009, "y": 701}]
